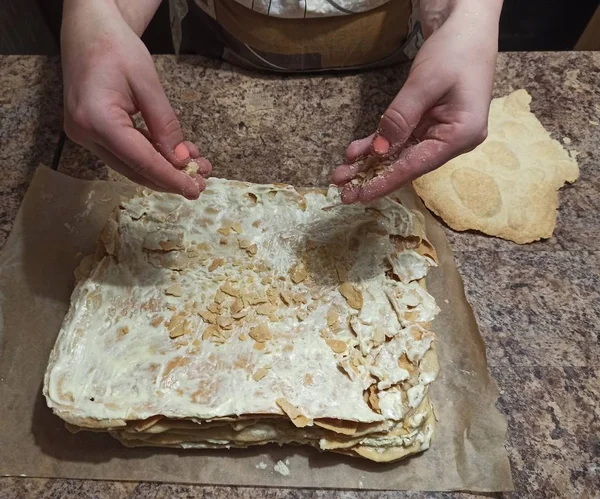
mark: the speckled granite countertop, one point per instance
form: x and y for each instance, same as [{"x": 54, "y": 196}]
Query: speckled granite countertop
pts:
[{"x": 538, "y": 306}]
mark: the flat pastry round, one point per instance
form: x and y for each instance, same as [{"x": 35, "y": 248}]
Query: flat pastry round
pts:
[{"x": 508, "y": 186}]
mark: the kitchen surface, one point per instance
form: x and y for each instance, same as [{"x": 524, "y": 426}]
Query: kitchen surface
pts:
[{"x": 537, "y": 306}]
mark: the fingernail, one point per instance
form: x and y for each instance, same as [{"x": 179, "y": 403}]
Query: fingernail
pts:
[
  {"x": 181, "y": 152},
  {"x": 380, "y": 145},
  {"x": 349, "y": 195},
  {"x": 191, "y": 192},
  {"x": 192, "y": 196}
]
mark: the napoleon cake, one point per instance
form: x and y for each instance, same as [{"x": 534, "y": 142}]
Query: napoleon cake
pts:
[{"x": 257, "y": 314}]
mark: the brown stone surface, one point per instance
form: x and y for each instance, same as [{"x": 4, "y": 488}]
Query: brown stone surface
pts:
[{"x": 30, "y": 126}]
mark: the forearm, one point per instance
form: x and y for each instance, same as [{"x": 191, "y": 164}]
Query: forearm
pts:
[
  {"x": 136, "y": 13},
  {"x": 478, "y": 14}
]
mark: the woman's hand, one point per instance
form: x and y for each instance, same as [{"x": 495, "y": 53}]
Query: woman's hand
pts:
[
  {"x": 108, "y": 77},
  {"x": 442, "y": 109}
]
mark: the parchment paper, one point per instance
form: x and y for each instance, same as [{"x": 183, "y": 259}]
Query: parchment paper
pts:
[{"x": 59, "y": 222}]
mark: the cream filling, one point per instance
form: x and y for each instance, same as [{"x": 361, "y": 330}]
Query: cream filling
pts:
[{"x": 169, "y": 259}]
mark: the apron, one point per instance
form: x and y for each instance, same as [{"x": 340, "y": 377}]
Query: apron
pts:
[{"x": 298, "y": 35}]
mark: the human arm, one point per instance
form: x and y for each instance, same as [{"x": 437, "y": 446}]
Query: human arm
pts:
[
  {"x": 108, "y": 77},
  {"x": 442, "y": 109}
]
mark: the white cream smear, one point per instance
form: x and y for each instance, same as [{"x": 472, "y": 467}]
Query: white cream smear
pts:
[{"x": 251, "y": 301}]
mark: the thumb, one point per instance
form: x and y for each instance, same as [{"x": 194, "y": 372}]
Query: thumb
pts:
[
  {"x": 163, "y": 125},
  {"x": 416, "y": 97}
]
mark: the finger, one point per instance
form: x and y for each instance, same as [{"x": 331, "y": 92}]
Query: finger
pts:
[
  {"x": 160, "y": 119},
  {"x": 117, "y": 165},
  {"x": 350, "y": 194},
  {"x": 416, "y": 97},
  {"x": 422, "y": 130},
  {"x": 344, "y": 173},
  {"x": 193, "y": 150},
  {"x": 358, "y": 148},
  {"x": 412, "y": 163},
  {"x": 144, "y": 132},
  {"x": 201, "y": 181},
  {"x": 204, "y": 166},
  {"x": 192, "y": 169},
  {"x": 132, "y": 148}
]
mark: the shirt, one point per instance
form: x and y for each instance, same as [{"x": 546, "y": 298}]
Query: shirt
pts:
[
  {"x": 298, "y": 35},
  {"x": 300, "y": 9}
]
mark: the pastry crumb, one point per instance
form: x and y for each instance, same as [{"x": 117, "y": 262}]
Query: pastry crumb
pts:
[{"x": 281, "y": 468}]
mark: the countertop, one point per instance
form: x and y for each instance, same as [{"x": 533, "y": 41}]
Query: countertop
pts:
[{"x": 538, "y": 306}]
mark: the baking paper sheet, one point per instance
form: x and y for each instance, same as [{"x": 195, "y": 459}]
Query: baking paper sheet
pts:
[{"x": 59, "y": 222}]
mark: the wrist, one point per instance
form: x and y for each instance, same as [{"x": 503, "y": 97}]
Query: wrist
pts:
[
  {"x": 478, "y": 11},
  {"x": 137, "y": 13},
  {"x": 434, "y": 13},
  {"x": 479, "y": 21}
]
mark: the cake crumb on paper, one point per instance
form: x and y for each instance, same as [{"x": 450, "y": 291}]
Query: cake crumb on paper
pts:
[
  {"x": 281, "y": 468},
  {"x": 261, "y": 466}
]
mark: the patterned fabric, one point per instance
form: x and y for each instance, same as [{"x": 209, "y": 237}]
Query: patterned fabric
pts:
[
  {"x": 298, "y": 35},
  {"x": 300, "y": 9}
]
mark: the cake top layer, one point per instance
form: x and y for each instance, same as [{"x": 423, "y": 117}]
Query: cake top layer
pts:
[{"x": 253, "y": 300}]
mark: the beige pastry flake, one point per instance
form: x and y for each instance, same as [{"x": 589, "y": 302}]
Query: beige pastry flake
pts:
[{"x": 508, "y": 186}]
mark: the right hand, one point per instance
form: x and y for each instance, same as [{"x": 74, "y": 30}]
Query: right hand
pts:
[
  {"x": 441, "y": 111},
  {"x": 108, "y": 77}
]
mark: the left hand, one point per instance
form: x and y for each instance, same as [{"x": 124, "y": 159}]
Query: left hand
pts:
[
  {"x": 440, "y": 112},
  {"x": 108, "y": 77}
]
